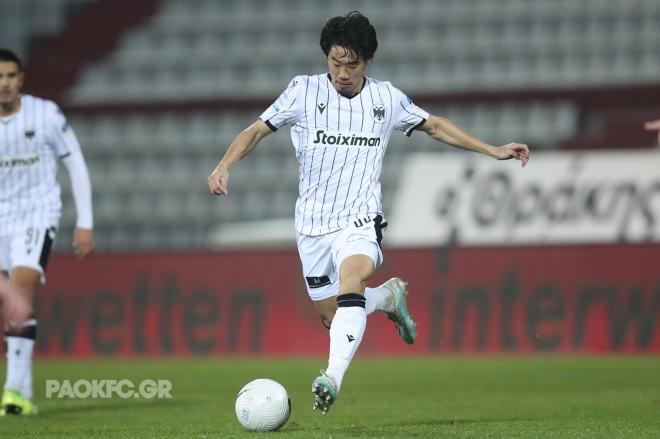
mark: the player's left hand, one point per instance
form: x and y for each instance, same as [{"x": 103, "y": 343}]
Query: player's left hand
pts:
[
  {"x": 218, "y": 181},
  {"x": 518, "y": 151},
  {"x": 83, "y": 242}
]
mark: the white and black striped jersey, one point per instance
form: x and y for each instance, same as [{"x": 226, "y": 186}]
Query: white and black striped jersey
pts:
[
  {"x": 340, "y": 143},
  {"x": 31, "y": 142}
]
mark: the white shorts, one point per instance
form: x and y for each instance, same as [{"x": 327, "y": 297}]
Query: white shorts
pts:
[
  {"x": 321, "y": 256},
  {"x": 30, "y": 248}
]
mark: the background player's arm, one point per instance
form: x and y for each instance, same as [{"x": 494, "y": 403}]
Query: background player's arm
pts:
[
  {"x": 654, "y": 125},
  {"x": 242, "y": 145},
  {"x": 66, "y": 146},
  {"x": 446, "y": 131},
  {"x": 83, "y": 235}
]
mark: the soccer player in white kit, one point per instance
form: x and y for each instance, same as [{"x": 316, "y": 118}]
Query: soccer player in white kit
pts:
[
  {"x": 341, "y": 122},
  {"x": 34, "y": 135}
]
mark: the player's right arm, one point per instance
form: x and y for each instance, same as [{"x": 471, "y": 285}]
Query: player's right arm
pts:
[{"x": 242, "y": 145}]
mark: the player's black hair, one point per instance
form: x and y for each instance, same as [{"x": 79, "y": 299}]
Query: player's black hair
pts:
[
  {"x": 7, "y": 55},
  {"x": 352, "y": 32}
]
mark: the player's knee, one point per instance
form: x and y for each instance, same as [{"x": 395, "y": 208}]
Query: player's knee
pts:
[{"x": 352, "y": 283}]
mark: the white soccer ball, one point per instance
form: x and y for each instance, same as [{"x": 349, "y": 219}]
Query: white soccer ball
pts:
[{"x": 263, "y": 405}]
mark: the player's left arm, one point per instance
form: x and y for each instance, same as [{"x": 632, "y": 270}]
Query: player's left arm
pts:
[
  {"x": 446, "y": 131},
  {"x": 83, "y": 234},
  {"x": 67, "y": 147}
]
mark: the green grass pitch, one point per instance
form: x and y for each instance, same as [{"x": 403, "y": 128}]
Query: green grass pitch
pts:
[{"x": 478, "y": 397}]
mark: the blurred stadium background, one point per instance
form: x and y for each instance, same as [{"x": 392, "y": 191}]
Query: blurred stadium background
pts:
[
  {"x": 157, "y": 89},
  {"x": 560, "y": 257}
]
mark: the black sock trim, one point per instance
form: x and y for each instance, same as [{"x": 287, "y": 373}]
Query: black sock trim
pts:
[
  {"x": 28, "y": 331},
  {"x": 351, "y": 299}
]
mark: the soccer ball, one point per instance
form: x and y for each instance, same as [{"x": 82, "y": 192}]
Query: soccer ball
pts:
[{"x": 263, "y": 405}]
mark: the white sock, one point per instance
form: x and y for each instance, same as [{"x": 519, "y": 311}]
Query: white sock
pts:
[
  {"x": 19, "y": 364},
  {"x": 26, "y": 387},
  {"x": 377, "y": 299},
  {"x": 346, "y": 333}
]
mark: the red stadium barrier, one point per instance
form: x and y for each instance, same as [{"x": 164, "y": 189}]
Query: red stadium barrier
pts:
[{"x": 583, "y": 299}]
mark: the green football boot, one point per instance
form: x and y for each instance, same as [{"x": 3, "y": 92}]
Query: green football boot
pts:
[
  {"x": 398, "y": 313},
  {"x": 14, "y": 403}
]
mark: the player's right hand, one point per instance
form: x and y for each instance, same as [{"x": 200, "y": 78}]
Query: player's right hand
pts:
[{"x": 218, "y": 181}]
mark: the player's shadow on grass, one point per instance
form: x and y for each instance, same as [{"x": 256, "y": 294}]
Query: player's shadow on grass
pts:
[{"x": 103, "y": 405}]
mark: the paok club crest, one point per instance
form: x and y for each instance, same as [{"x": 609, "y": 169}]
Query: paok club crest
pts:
[{"x": 378, "y": 113}]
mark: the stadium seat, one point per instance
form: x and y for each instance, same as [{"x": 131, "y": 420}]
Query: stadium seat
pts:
[
  {"x": 199, "y": 50},
  {"x": 486, "y": 45}
]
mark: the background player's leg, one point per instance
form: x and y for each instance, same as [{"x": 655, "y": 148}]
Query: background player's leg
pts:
[{"x": 20, "y": 343}]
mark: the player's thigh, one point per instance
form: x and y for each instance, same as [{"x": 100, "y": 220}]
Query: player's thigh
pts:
[
  {"x": 318, "y": 270},
  {"x": 357, "y": 253},
  {"x": 29, "y": 253},
  {"x": 354, "y": 272}
]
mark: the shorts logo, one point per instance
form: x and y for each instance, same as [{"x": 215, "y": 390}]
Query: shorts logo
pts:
[
  {"x": 29, "y": 134},
  {"x": 378, "y": 113},
  {"x": 317, "y": 282}
]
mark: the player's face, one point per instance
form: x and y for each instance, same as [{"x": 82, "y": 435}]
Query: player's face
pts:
[
  {"x": 346, "y": 70},
  {"x": 11, "y": 81}
]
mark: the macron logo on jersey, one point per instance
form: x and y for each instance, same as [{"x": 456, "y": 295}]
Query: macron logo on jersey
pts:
[{"x": 345, "y": 139}]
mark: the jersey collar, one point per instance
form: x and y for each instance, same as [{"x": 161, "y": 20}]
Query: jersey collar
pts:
[{"x": 364, "y": 83}]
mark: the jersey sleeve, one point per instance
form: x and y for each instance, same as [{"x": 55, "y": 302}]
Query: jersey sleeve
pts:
[
  {"x": 61, "y": 137},
  {"x": 64, "y": 143},
  {"x": 407, "y": 116},
  {"x": 288, "y": 107}
]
